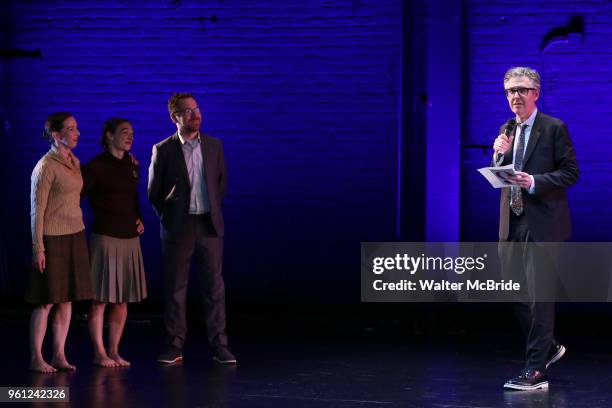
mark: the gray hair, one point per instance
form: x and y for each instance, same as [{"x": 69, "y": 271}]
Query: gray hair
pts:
[{"x": 523, "y": 71}]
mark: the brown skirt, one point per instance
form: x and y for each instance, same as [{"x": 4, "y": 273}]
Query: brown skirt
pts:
[{"x": 66, "y": 277}]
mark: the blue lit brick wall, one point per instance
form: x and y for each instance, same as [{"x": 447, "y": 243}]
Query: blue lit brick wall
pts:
[
  {"x": 303, "y": 95},
  {"x": 577, "y": 85}
]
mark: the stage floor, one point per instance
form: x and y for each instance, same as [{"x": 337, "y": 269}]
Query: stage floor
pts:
[{"x": 317, "y": 369}]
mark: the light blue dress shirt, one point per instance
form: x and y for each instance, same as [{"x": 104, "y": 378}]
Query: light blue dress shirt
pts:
[{"x": 198, "y": 198}]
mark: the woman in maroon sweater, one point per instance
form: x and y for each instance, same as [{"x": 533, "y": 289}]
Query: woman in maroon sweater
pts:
[{"x": 110, "y": 182}]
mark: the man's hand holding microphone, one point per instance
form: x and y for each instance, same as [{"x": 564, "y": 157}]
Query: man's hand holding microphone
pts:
[{"x": 502, "y": 145}]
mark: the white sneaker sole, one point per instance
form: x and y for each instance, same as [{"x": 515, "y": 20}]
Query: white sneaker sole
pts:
[
  {"x": 224, "y": 362},
  {"x": 557, "y": 356},
  {"x": 540, "y": 386},
  {"x": 176, "y": 360}
]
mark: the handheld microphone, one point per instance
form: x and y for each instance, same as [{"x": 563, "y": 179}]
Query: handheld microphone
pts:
[{"x": 509, "y": 127}]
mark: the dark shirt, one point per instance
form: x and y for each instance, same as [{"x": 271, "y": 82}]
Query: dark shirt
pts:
[{"x": 111, "y": 185}]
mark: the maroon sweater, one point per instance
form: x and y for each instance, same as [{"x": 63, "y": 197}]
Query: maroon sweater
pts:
[{"x": 111, "y": 185}]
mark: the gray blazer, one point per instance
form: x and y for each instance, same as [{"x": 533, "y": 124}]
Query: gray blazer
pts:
[{"x": 169, "y": 187}]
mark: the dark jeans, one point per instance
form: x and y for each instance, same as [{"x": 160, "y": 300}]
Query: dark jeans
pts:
[
  {"x": 533, "y": 266},
  {"x": 198, "y": 241}
]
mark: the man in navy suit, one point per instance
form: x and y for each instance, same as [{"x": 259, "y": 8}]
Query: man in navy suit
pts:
[
  {"x": 534, "y": 210},
  {"x": 187, "y": 183}
]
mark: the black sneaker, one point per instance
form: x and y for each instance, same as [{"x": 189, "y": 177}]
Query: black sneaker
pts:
[
  {"x": 224, "y": 356},
  {"x": 170, "y": 356},
  {"x": 557, "y": 351},
  {"x": 528, "y": 380}
]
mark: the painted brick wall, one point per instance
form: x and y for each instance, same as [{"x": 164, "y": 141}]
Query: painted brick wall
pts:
[
  {"x": 577, "y": 80},
  {"x": 303, "y": 95}
]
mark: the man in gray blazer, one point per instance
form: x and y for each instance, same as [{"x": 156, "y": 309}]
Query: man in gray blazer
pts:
[
  {"x": 187, "y": 183},
  {"x": 534, "y": 210}
]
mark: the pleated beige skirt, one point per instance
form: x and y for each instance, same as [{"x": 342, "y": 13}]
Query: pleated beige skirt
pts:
[{"x": 117, "y": 269}]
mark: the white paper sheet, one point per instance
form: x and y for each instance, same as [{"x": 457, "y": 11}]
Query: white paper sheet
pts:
[{"x": 496, "y": 176}]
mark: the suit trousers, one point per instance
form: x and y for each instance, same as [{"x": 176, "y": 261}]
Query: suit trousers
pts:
[
  {"x": 533, "y": 266},
  {"x": 200, "y": 241}
]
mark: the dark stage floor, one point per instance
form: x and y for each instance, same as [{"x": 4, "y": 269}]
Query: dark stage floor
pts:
[{"x": 328, "y": 368}]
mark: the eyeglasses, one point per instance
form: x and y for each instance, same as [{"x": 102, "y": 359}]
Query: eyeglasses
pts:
[
  {"x": 521, "y": 91},
  {"x": 188, "y": 111}
]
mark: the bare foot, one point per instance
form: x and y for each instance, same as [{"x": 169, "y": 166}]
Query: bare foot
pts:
[
  {"x": 102, "y": 360},
  {"x": 62, "y": 364},
  {"x": 41, "y": 366},
  {"x": 119, "y": 360}
]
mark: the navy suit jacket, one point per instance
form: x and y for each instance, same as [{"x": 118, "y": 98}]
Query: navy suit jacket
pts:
[
  {"x": 551, "y": 160},
  {"x": 169, "y": 186}
]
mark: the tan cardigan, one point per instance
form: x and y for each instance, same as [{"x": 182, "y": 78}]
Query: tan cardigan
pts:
[{"x": 55, "y": 197}]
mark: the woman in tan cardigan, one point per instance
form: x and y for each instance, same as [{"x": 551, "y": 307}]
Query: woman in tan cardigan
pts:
[{"x": 60, "y": 273}]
